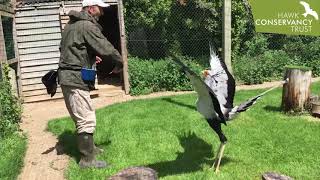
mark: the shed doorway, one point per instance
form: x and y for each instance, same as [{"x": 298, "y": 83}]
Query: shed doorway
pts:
[{"x": 111, "y": 30}]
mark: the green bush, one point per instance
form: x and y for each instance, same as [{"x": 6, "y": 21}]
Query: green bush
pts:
[
  {"x": 315, "y": 65},
  {"x": 263, "y": 67},
  {"x": 10, "y": 109},
  {"x": 147, "y": 76}
]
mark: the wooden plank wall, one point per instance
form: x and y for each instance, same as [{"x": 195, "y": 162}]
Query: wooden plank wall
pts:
[
  {"x": 38, "y": 38},
  {"x": 39, "y": 30},
  {"x": 64, "y": 13}
]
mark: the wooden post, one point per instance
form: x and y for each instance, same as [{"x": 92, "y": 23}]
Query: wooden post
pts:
[
  {"x": 124, "y": 48},
  {"x": 0, "y": 71},
  {"x": 227, "y": 34},
  {"x": 18, "y": 70},
  {"x": 296, "y": 93}
]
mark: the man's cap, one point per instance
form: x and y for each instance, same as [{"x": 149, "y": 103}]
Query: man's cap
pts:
[{"x": 100, "y": 3}]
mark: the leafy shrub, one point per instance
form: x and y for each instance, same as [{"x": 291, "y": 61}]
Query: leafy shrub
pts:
[
  {"x": 263, "y": 67},
  {"x": 315, "y": 65},
  {"x": 147, "y": 76},
  {"x": 10, "y": 109},
  {"x": 257, "y": 45}
]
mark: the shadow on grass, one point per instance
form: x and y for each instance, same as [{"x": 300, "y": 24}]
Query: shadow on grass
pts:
[
  {"x": 272, "y": 108},
  {"x": 196, "y": 153},
  {"x": 179, "y": 103},
  {"x": 67, "y": 144}
]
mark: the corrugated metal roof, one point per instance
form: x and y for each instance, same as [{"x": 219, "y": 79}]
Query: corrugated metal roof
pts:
[
  {"x": 40, "y": 1},
  {"x": 30, "y": 2}
]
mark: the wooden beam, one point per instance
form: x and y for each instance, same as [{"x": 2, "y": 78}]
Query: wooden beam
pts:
[
  {"x": 6, "y": 8},
  {"x": 28, "y": 32},
  {"x": 4, "y": 13},
  {"x": 34, "y": 13},
  {"x": 124, "y": 51},
  {"x": 17, "y": 57},
  {"x": 31, "y": 75},
  {"x": 39, "y": 62},
  {"x": 227, "y": 34},
  {"x": 39, "y": 56},
  {"x": 39, "y": 37},
  {"x": 39, "y": 68},
  {"x": 38, "y": 25},
  {"x": 12, "y": 61},
  {"x": 0, "y": 71},
  {"x": 32, "y": 19}
]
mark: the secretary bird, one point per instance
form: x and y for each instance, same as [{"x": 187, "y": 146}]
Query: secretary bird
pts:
[{"x": 215, "y": 97}]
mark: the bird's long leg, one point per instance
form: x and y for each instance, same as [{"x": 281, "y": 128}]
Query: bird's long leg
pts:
[
  {"x": 217, "y": 162},
  {"x": 216, "y": 126}
]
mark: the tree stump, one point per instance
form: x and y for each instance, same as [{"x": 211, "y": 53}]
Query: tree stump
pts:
[
  {"x": 136, "y": 173},
  {"x": 275, "y": 176},
  {"x": 296, "y": 92}
]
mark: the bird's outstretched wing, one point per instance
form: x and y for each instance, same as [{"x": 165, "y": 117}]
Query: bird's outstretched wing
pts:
[
  {"x": 221, "y": 81},
  {"x": 202, "y": 89}
]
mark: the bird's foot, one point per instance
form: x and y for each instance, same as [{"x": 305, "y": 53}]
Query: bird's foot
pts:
[{"x": 218, "y": 158}]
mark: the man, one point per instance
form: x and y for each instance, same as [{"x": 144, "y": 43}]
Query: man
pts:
[{"x": 82, "y": 41}]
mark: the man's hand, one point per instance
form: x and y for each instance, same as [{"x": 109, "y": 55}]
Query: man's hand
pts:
[{"x": 98, "y": 60}]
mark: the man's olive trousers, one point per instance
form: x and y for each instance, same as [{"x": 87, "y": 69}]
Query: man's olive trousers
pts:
[{"x": 80, "y": 107}]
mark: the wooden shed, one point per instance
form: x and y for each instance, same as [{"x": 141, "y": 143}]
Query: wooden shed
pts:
[
  {"x": 8, "y": 43},
  {"x": 39, "y": 24}
]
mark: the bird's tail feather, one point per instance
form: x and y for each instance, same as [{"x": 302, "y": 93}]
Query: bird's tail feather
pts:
[
  {"x": 242, "y": 107},
  {"x": 247, "y": 104}
]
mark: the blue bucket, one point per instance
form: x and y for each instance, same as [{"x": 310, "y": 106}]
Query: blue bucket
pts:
[{"x": 88, "y": 74}]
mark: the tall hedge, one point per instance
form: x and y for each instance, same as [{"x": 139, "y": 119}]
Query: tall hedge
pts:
[{"x": 147, "y": 76}]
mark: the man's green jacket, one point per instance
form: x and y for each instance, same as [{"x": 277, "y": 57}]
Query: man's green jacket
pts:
[{"x": 82, "y": 40}]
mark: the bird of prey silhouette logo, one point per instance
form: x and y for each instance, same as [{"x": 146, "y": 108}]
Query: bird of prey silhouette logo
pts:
[
  {"x": 309, "y": 11},
  {"x": 215, "y": 97}
]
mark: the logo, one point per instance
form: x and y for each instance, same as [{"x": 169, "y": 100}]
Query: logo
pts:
[
  {"x": 286, "y": 16},
  {"x": 309, "y": 11}
]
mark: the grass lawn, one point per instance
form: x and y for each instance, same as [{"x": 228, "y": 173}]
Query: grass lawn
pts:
[
  {"x": 170, "y": 136},
  {"x": 12, "y": 151}
]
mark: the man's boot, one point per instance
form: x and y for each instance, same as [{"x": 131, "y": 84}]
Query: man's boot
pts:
[
  {"x": 86, "y": 148},
  {"x": 97, "y": 150}
]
